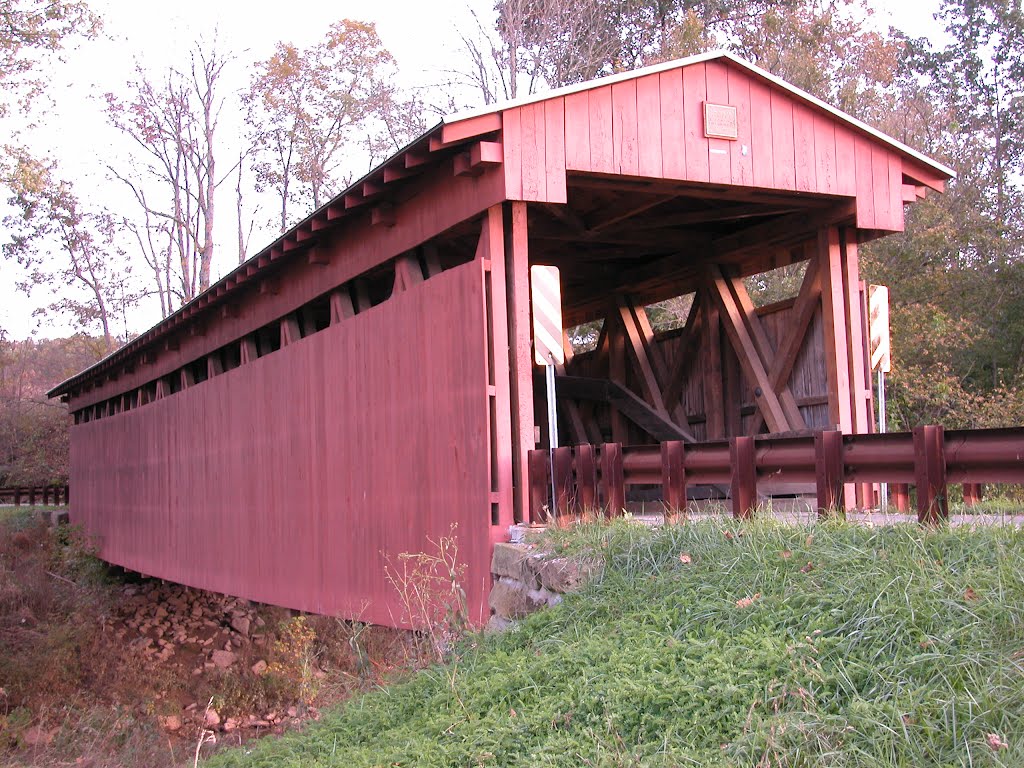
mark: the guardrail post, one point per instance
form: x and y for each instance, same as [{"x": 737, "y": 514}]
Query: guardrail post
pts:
[
  {"x": 17, "y": 497},
  {"x": 46, "y": 495},
  {"x": 828, "y": 470},
  {"x": 67, "y": 495},
  {"x": 930, "y": 474},
  {"x": 973, "y": 493},
  {"x": 32, "y": 496},
  {"x": 744, "y": 476},
  {"x": 612, "y": 483},
  {"x": 563, "y": 480},
  {"x": 586, "y": 477},
  {"x": 540, "y": 483},
  {"x": 673, "y": 476},
  {"x": 899, "y": 496}
]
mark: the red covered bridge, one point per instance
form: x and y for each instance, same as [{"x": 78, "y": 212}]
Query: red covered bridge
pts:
[{"x": 366, "y": 381}]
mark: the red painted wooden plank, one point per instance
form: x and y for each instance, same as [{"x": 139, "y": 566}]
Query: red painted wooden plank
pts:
[
  {"x": 534, "y": 152},
  {"x": 625, "y": 154},
  {"x": 895, "y": 192},
  {"x": 761, "y": 135},
  {"x": 803, "y": 148},
  {"x": 865, "y": 184},
  {"x": 577, "y": 132},
  {"x": 846, "y": 164},
  {"x": 719, "y": 150},
  {"x": 554, "y": 130},
  {"x": 648, "y": 110},
  {"x": 695, "y": 93},
  {"x": 880, "y": 187},
  {"x": 742, "y": 163},
  {"x": 825, "y": 154},
  {"x": 784, "y": 164},
  {"x": 602, "y": 153},
  {"x": 512, "y": 144},
  {"x": 295, "y": 505},
  {"x": 673, "y": 137}
]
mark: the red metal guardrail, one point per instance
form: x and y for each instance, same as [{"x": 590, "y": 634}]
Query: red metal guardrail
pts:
[
  {"x": 930, "y": 458},
  {"x": 47, "y": 495}
]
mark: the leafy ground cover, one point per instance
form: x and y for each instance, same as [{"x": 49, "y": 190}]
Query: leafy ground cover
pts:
[
  {"x": 712, "y": 644},
  {"x": 82, "y": 683}
]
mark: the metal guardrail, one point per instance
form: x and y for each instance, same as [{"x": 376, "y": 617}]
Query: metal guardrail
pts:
[
  {"x": 46, "y": 495},
  {"x": 930, "y": 458}
]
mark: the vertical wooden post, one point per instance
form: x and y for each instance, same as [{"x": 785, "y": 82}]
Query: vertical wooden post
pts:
[
  {"x": 744, "y": 476},
  {"x": 67, "y": 494},
  {"x": 539, "y": 463},
  {"x": 828, "y": 470},
  {"x": 564, "y": 496},
  {"x": 835, "y": 338},
  {"x": 673, "y": 476},
  {"x": 930, "y": 474},
  {"x": 492, "y": 239},
  {"x": 973, "y": 493},
  {"x": 616, "y": 335},
  {"x": 586, "y": 477},
  {"x": 612, "y": 485},
  {"x": 17, "y": 497},
  {"x": 32, "y": 496},
  {"x": 517, "y": 276},
  {"x": 714, "y": 405},
  {"x": 899, "y": 496},
  {"x": 860, "y": 387},
  {"x": 46, "y": 495},
  {"x": 833, "y": 314}
]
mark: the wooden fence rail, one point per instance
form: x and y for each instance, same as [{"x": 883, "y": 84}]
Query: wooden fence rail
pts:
[
  {"x": 55, "y": 495},
  {"x": 929, "y": 458}
]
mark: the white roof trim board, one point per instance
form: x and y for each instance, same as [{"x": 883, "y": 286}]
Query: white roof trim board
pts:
[{"x": 697, "y": 59}]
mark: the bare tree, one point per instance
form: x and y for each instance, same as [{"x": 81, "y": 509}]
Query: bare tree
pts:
[{"x": 173, "y": 122}]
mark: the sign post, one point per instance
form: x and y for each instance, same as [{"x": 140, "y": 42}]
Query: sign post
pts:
[
  {"x": 546, "y": 296},
  {"x": 879, "y": 346}
]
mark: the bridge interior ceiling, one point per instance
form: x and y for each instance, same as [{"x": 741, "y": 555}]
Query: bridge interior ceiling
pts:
[{"x": 653, "y": 240}]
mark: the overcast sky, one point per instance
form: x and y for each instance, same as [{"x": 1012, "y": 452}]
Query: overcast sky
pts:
[{"x": 422, "y": 36}]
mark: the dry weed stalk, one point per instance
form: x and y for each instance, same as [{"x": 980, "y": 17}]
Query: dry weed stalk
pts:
[{"x": 430, "y": 590}]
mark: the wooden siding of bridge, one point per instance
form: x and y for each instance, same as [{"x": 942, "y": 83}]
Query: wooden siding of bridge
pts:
[
  {"x": 294, "y": 478},
  {"x": 653, "y": 126}
]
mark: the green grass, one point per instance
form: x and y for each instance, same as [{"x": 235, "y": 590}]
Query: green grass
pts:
[{"x": 895, "y": 646}]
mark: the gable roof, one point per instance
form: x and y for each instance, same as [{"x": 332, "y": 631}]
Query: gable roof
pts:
[{"x": 449, "y": 136}]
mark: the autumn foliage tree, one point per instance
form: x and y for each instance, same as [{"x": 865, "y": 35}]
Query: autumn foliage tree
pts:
[
  {"x": 307, "y": 106},
  {"x": 64, "y": 246}
]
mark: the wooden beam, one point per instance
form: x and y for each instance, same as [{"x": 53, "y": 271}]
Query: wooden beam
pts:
[
  {"x": 622, "y": 401},
  {"x": 341, "y": 305},
  {"x": 453, "y": 133},
  {"x": 746, "y": 350},
  {"x": 290, "y": 332},
  {"x": 765, "y": 350},
  {"x": 833, "y": 315},
  {"x": 856, "y": 343},
  {"x": 714, "y": 398},
  {"x": 408, "y": 272},
  {"x": 690, "y": 342},
  {"x": 383, "y": 215},
  {"x": 501, "y": 439},
  {"x": 572, "y": 410},
  {"x": 517, "y": 276},
  {"x": 792, "y": 228}
]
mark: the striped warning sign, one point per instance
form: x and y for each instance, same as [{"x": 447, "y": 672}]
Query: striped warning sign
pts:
[
  {"x": 547, "y": 315},
  {"x": 878, "y": 326}
]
